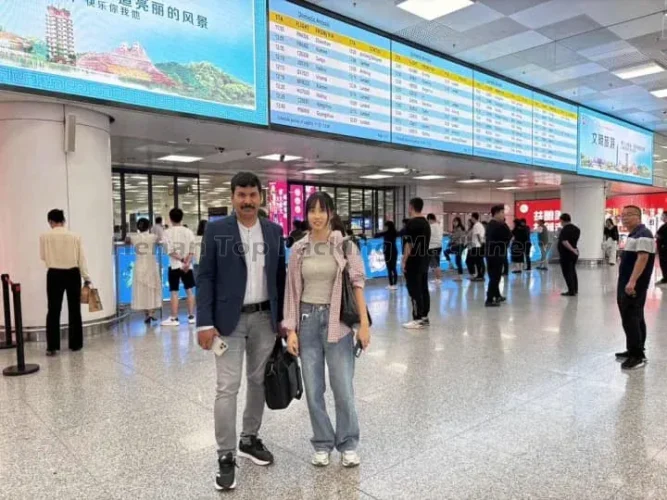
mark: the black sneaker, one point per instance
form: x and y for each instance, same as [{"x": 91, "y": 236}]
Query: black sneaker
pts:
[
  {"x": 622, "y": 355},
  {"x": 501, "y": 299},
  {"x": 252, "y": 447},
  {"x": 491, "y": 304},
  {"x": 226, "y": 478},
  {"x": 633, "y": 363}
]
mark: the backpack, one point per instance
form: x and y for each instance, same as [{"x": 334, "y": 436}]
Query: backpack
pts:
[{"x": 282, "y": 378}]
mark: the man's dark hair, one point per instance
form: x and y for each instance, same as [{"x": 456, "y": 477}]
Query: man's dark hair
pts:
[
  {"x": 143, "y": 224},
  {"x": 158, "y": 220},
  {"x": 475, "y": 215},
  {"x": 494, "y": 210},
  {"x": 541, "y": 222},
  {"x": 634, "y": 207},
  {"x": 56, "y": 216},
  {"x": 417, "y": 204},
  {"x": 176, "y": 215},
  {"x": 298, "y": 224},
  {"x": 246, "y": 179},
  {"x": 431, "y": 218},
  {"x": 565, "y": 217}
]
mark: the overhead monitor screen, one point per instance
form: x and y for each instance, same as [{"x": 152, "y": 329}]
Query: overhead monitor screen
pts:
[
  {"x": 432, "y": 101},
  {"x": 203, "y": 57},
  {"x": 613, "y": 149},
  {"x": 327, "y": 75},
  {"x": 503, "y": 120},
  {"x": 554, "y": 133}
]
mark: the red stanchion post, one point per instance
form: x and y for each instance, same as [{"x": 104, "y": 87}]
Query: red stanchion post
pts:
[
  {"x": 20, "y": 368},
  {"x": 8, "y": 343}
]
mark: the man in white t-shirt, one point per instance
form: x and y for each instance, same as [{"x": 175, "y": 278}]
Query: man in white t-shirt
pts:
[
  {"x": 179, "y": 242},
  {"x": 478, "y": 239},
  {"x": 435, "y": 247}
]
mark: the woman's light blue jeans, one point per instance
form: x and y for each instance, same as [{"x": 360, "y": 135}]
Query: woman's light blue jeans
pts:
[{"x": 316, "y": 350}]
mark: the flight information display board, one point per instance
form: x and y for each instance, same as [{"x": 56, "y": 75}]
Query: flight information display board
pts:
[
  {"x": 503, "y": 120},
  {"x": 432, "y": 101},
  {"x": 327, "y": 75},
  {"x": 554, "y": 133},
  {"x": 613, "y": 149}
]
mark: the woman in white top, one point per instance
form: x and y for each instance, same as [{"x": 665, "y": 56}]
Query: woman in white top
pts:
[{"x": 146, "y": 283}]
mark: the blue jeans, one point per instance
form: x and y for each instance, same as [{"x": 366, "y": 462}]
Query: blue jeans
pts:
[{"x": 339, "y": 357}]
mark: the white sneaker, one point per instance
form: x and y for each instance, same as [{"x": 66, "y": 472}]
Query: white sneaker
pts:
[
  {"x": 171, "y": 322},
  {"x": 320, "y": 459},
  {"x": 350, "y": 459},
  {"x": 392, "y": 287},
  {"x": 191, "y": 319},
  {"x": 414, "y": 325}
]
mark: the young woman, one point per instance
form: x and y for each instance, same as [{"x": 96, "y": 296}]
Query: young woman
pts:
[
  {"x": 312, "y": 318},
  {"x": 390, "y": 252},
  {"x": 458, "y": 244},
  {"x": 517, "y": 248},
  {"x": 146, "y": 284}
]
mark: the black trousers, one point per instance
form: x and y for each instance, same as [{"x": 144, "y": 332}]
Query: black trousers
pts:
[
  {"x": 634, "y": 325},
  {"x": 417, "y": 283},
  {"x": 390, "y": 261},
  {"x": 662, "y": 255},
  {"x": 526, "y": 255},
  {"x": 477, "y": 261},
  {"x": 494, "y": 267},
  {"x": 569, "y": 267},
  {"x": 58, "y": 283}
]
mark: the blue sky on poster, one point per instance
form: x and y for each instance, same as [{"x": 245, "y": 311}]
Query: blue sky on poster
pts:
[{"x": 228, "y": 43}]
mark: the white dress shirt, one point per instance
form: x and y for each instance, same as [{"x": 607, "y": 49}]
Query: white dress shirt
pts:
[{"x": 256, "y": 289}]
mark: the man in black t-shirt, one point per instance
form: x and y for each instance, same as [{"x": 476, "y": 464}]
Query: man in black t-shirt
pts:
[
  {"x": 634, "y": 279},
  {"x": 416, "y": 263},
  {"x": 661, "y": 239},
  {"x": 569, "y": 254},
  {"x": 498, "y": 236}
]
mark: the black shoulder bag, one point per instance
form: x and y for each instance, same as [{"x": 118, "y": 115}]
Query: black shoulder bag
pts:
[
  {"x": 282, "y": 378},
  {"x": 349, "y": 311}
]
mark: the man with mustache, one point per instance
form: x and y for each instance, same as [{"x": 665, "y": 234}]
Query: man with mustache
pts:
[{"x": 240, "y": 303}]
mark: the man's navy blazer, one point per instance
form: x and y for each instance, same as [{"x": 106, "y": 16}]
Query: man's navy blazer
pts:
[{"x": 223, "y": 274}]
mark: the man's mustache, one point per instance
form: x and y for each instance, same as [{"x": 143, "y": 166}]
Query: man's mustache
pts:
[{"x": 247, "y": 205}]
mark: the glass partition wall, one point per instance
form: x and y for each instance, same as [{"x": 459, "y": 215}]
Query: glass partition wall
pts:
[
  {"x": 364, "y": 210},
  {"x": 140, "y": 194}
]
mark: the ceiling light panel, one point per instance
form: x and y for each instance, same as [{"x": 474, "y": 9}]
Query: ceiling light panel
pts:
[
  {"x": 318, "y": 171},
  {"x": 429, "y": 177},
  {"x": 639, "y": 71},
  {"x": 279, "y": 157},
  {"x": 433, "y": 9},
  {"x": 181, "y": 158},
  {"x": 376, "y": 176}
]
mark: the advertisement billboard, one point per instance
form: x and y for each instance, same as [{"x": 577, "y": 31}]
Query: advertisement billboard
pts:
[
  {"x": 203, "y": 57},
  {"x": 614, "y": 150}
]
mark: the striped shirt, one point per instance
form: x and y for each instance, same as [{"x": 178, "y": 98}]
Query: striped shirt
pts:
[
  {"x": 640, "y": 240},
  {"x": 294, "y": 286}
]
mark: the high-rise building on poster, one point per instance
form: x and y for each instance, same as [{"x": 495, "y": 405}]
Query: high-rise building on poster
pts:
[{"x": 60, "y": 36}]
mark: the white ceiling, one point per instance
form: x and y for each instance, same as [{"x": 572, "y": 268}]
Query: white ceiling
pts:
[{"x": 566, "y": 47}]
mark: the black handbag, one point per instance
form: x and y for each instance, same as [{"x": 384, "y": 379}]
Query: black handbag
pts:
[
  {"x": 349, "y": 311},
  {"x": 282, "y": 378}
]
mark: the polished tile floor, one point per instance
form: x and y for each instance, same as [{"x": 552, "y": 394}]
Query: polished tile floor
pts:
[{"x": 522, "y": 402}]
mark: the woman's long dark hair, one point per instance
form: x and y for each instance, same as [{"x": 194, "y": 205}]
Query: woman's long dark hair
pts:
[
  {"x": 458, "y": 223},
  {"x": 391, "y": 227}
]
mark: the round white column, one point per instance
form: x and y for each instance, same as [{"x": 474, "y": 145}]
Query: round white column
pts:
[
  {"x": 585, "y": 202},
  {"x": 37, "y": 175}
]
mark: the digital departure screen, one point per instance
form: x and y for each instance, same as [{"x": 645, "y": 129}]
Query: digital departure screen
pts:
[
  {"x": 327, "y": 75},
  {"x": 432, "y": 101},
  {"x": 554, "y": 133},
  {"x": 503, "y": 120}
]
